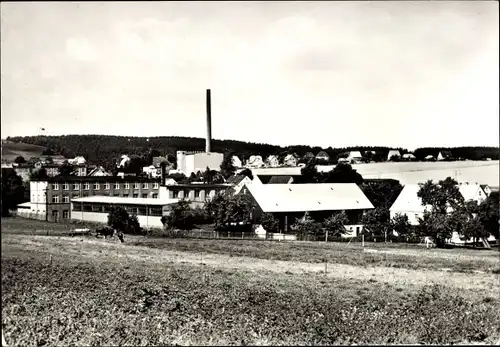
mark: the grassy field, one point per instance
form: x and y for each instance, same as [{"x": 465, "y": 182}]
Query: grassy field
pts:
[
  {"x": 58, "y": 290},
  {"x": 11, "y": 150}
]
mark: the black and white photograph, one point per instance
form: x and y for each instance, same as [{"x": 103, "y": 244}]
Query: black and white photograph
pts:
[{"x": 250, "y": 173}]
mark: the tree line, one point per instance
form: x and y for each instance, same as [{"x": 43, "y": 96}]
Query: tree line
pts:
[{"x": 102, "y": 149}]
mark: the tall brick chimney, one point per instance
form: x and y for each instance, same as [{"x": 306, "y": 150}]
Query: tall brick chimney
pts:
[{"x": 209, "y": 123}]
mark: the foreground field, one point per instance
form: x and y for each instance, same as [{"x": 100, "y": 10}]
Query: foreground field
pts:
[{"x": 58, "y": 290}]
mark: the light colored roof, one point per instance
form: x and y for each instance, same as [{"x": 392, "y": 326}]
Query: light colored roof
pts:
[
  {"x": 322, "y": 154},
  {"x": 24, "y": 204},
  {"x": 470, "y": 191},
  {"x": 393, "y": 152},
  {"x": 355, "y": 154},
  {"x": 408, "y": 155},
  {"x": 408, "y": 201},
  {"x": 309, "y": 197},
  {"x": 122, "y": 200}
]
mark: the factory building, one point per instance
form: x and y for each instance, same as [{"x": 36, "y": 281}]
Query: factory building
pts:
[{"x": 192, "y": 162}]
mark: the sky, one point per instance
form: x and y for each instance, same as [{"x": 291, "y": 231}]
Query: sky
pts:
[{"x": 400, "y": 74}]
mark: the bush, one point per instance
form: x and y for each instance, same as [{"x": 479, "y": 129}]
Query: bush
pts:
[
  {"x": 119, "y": 219},
  {"x": 180, "y": 216},
  {"x": 269, "y": 223}
]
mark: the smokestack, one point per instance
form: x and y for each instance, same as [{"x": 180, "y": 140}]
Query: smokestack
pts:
[{"x": 209, "y": 123}]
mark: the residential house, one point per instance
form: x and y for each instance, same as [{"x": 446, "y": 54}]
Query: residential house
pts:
[
  {"x": 393, "y": 153},
  {"x": 308, "y": 156},
  {"x": 323, "y": 156},
  {"x": 429, "y": 158},
  {"x": 152, "y": 171},
  {"x": 52, "y": 169},
  {"x": 486, "y": 188},
  {"x": 354, "y": 157},
  {"x": 290, "y": 160},
  {"x": 238, "y": 181},
  {"x": 343, "y": 160},
  {"x": 272, "y": 161},
  {"x": 408, "y": 203},
  {"x": 79, "y": 160},
  {"x": 124, "y": 159},
  {"x": 236, "y": 162},
  {"x": 51, "y": 197},
  {"x": 444, "y": 155},
  {"x": 255, "y": 161},
  {"x": 99, "y": 171},
  {"x": 408, "y": 157},
  {"x": 288, "y": 202}
]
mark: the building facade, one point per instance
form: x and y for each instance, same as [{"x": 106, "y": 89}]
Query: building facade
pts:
[
  {"x": 197, "y": 193},
  {"x": 51, "y": 198},
  {"x": 192, "y": 162}
]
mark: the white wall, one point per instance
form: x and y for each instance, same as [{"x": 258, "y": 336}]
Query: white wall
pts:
[{"x": 144, "y": 221}]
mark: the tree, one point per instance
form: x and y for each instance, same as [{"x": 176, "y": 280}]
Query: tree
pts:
[
  {"x": 489, "y": 214},
  {"x": 119, "y": 219},
  {"x": 212, "y": 177},
  {"x": 48, "y": 151},
  {"x": 441, "y": 195},
  {"x": 227, "y": 209},
  {"x": 269, "y": 223},
  {"x": 39, "y": 174},
  {"x": 180, "y": 216},
  {"x": 382, "y": 193},
  {"x": 20, "y": 160},
  {"x": 309, "y": 173},
  {"x": 343, "y": 173},
  {"x": 436, "y": 225},
  {"x": 66, "y": 169},
  {"x": 13, "y": 191},
  {"x": 402, "y": 227},
  {"x": 376, "y": 222},
  {"x": 335, "y": 224},
  {"x": 227, "y": 168},
  {"x": 306, "y": 226}
]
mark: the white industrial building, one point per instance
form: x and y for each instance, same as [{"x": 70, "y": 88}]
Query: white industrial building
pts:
[
  {"x": 96, "y": 208},
  {"x": 192, "y": 162}
]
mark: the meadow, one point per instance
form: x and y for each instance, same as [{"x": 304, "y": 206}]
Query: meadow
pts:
[
  {"x": 60, "y": 290},
  {"x": 11, "y": 150}
]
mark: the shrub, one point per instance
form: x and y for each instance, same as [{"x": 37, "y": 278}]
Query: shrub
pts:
[
  {"x": 269, "y": 223},
  {"x": 180, "y": 216}
]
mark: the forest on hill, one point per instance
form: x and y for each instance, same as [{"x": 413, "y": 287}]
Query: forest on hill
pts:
[{"x": 102, "y": 149}]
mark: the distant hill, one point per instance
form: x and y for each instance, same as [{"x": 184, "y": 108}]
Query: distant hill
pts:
[
  {"x": 11, "y": 150},
  {"x": 107, "y": 148}
]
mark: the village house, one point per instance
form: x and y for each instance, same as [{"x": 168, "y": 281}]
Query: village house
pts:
[
  {"x": 272, "y": 161},
  {"x": 354, "y": 157},
  {"x": 236, "y": 162},
  {"x": 408, "y": 203},
  {"x": 288, "y": 202},
  {"x": 408, "y": 157},
  {"x": 290, "y": 160},
  {"x": 255, "y": 161},
  {"x": 393, "y": 153},
  {"x": 323, "y": 156},
  {"x": 444, "y": 155}
]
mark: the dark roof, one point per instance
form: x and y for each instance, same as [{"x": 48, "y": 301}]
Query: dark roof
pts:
[
  {"x": 235, "y": 179},
  {"x": 280, "y": 179},
  {"x": 97, "y": 179},
  {"x": 201, "y": 186},
  {"x": 322, "y": 154}
]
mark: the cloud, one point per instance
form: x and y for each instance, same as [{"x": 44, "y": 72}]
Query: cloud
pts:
[{"x": 81, "y": 49}]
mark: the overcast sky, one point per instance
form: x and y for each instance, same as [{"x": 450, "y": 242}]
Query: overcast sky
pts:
[{"x": 318, "y": 73}]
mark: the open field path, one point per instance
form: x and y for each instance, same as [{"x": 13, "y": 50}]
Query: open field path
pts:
[{"x": 101, "y": 250}]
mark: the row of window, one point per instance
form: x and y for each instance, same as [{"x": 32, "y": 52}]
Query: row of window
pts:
[
  {"x": 106, "y": 208},
  {"x": 55, "y": 215},
  {"x": 107, "y": 186},
  {"x": 65, "y": 199}
]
